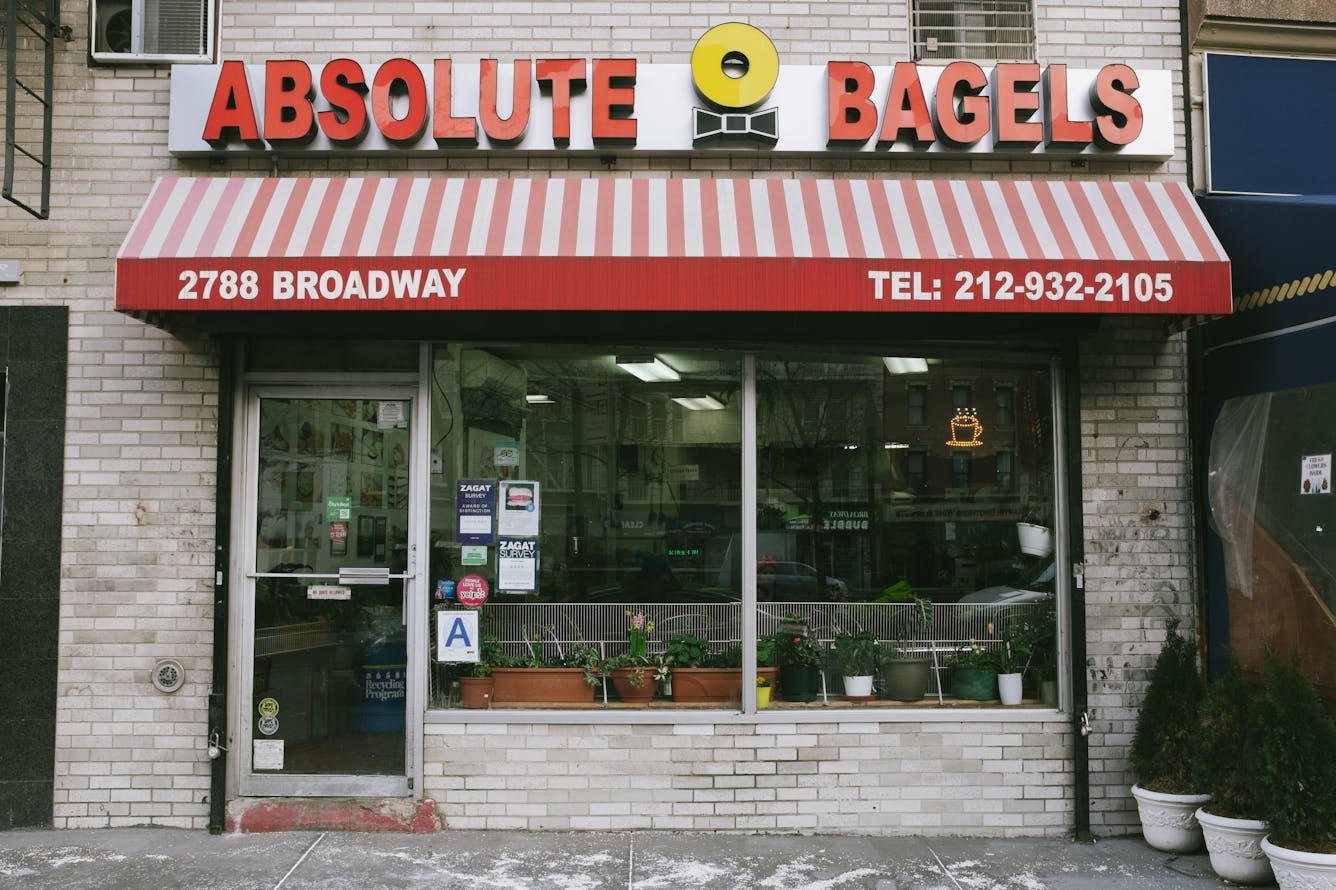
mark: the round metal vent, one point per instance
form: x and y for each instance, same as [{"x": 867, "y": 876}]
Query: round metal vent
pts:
[{"x": 168, "y": 675}]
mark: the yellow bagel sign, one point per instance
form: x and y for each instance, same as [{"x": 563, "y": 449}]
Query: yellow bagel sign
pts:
[{"x": 727, "y": 45}]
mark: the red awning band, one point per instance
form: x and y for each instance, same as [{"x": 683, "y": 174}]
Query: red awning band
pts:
[{"x": 869, "y": 245}]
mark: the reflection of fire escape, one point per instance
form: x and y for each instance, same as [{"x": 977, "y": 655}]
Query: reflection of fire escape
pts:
[{"x": 29, "y": 23}]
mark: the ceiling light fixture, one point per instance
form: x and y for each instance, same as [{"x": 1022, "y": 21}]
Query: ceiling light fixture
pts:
[
  {"x": 539, "y": 399},
  {"x": 649, "y": 368},
  {"x": 699, "y": 403},
  {"x": 904, "y": 365}
]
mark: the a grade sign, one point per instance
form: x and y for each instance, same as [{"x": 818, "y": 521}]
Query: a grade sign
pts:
[{"x": 457, "y": 637}]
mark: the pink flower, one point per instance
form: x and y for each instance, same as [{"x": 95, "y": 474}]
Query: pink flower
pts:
[{"x": 638, "y": 621}]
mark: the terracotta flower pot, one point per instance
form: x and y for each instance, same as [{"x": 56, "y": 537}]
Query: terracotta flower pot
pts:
[
  {"x": 476, "y": 692},
  {"x": 715, "y": 685},
  {"x": 628, "y": 691},
  {"x": 541, "y": 686}
]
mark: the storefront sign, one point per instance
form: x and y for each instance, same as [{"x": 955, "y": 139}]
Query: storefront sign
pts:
[
  {"x": 472, "y": 555},
  {"x": 457, "y": 636},
  {"x": 520, "y": 510},
  {"x": 1315, "y": 474},
  {"x": 517, "y": 565},
  {"x": 475, "y": 504},
  {"x": 441, "y": 106},
  {"x": 472, "y": 590},
  {"x": 338, "y": 509}
]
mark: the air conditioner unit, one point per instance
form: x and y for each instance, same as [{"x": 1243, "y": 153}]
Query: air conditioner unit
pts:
[{"x": 112, "y": 34}]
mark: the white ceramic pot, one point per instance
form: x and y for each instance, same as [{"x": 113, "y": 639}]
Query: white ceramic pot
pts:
[
  {"x": 1169, "y": 821},
  {"x": 1297, "y": 870},
  {"x": 1235, "y": 846},
  {"x": 1009, "y": 688},
  {"x": 858, "y": 686}
]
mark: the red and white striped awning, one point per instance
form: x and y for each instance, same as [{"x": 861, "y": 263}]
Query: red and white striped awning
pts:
[{"x": 671, "y": 244}]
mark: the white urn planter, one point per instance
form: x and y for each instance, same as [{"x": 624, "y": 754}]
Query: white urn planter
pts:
[
  {"x": 1009, "y": 688},
  {"x": 1169, "y": 821},
  {"x": 1298, "y": 870},
  {"x": 1235, "y": 846},
  {"x": 859, "y": 686}
]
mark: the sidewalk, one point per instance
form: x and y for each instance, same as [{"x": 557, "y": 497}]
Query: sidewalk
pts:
[{"x": 170, "y": 859}]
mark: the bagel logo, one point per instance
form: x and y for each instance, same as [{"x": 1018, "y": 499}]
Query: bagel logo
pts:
[{"x": 734, "y": 67}]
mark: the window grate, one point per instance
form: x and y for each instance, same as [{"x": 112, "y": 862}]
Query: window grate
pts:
[{"x": 973, "y": 29}]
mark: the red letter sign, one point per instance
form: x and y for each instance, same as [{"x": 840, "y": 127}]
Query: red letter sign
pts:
[
  {"x": 614, "y": 94},
  {"x": 1122, "y": 120},
  {"x": 497, "y": 128},
  {"x": 231, "y": 108},
  {"x": 408, "y": 128},
  {"x": 970, "y": 124},
  {"x": 447, "y": 127},
  {"x": 562, "y": 77},
  {"x": 344, "y": 88},
  {"x": 906, "y": 107},
  {"x": 853, "y": 117},
  {"x": 1014, "y": 103}
]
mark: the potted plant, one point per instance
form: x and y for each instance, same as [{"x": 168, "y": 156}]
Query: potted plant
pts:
[
  {"x": 766, "y": 666},
  {"x": 1224, "y": 762},
  {"x": 907, "y": 668},
  {"x": 857, "y": 657},
  {"x": 1167, "y": 797},
  {"x": 701, "y": 674},
  {"x": 800, "y": 661},
  {"x": 764, "y": 687},
  {"x": 1296, "y": 778},
  {"x": 571, "y": 677},
  {"x": 974, "y": 673},
  {"x": 635, "y": 673},
  {"x": 475, "y": 689}
]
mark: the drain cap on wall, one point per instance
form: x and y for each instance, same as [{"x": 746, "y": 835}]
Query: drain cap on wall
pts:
[{"x": 168, "y": 675}]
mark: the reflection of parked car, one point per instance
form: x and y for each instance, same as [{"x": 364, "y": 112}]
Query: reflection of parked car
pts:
[
  {"x": 1036, "y": 588},
  {"x": 795, "y": 581}
]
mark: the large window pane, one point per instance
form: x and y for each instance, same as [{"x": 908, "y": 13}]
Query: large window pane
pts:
[
  {"x": 881, "y": 480},
  {"x": 638, "y": 484}
]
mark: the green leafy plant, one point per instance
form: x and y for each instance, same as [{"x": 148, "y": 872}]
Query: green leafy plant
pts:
[
  {"x": 728, "y": 657},
  {"x": 794, "y": 645},
  {"x": 1296, "y": 767},
  {"x": 975, "y": 655},
  {"x": 857, "y": 655},
  {"x": 765, "y": 651},
  {"x": 1160, "y": 748},
  {"x": 588, "y": 659},
  {"x": 687, "y": 650},
  {"x": 1225, "y": 745},
  {"x": 912, "y": 624},
  {"x": 490, "y": 655}
]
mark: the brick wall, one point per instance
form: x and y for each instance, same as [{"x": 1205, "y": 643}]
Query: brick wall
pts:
[
  {"x": 984, "y": 777},
  {"x": 137, "y": 555}
]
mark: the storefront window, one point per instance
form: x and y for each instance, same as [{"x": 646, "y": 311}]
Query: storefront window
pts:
[
  {"x": 921, "y": 551},
  {"x": 636, "y": 471},
  {"x": 1271, "y": 495},
  {"x": 887, "y": 510}
]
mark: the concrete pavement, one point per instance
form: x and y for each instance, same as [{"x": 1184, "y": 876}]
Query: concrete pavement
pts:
[{"x": 171, "y": 859}]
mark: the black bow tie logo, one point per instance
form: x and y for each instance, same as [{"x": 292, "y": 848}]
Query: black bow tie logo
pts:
[{"x": 760, "y": 126}]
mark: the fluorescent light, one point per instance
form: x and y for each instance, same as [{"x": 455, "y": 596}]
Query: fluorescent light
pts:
[
  {"x": 649, "y": 368},
  {"x": 699, "y": 403},
  {"x": 893, "y": 446},
  {"x": 904, "y": 365},
  {"x": 539, "y": 399}
]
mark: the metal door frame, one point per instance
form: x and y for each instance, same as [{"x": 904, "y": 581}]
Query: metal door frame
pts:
[{"x": 243, "y": 780}]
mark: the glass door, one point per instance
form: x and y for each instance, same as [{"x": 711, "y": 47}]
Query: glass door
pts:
[{"x": 329, "y": 586}]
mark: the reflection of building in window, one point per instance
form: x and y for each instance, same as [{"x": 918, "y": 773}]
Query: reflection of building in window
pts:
[
  {"x": 962, "y": 396},
  {"x": 960, "y": 471},
  {"x": 915, "y": 471},
  {"x": 1005, "y": 470},
  {"x": 916, "y": 405},
  {"x": 1006, "y": 406}
]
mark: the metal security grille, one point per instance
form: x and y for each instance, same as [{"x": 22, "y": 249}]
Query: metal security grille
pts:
[
  {"x": 29, "y": 35},
  {"x": 973, "y": 29}
]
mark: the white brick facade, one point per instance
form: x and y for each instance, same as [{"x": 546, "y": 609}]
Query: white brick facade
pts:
[{"x": 139, "y": 496}]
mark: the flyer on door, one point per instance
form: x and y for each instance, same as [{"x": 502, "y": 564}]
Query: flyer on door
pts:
[{"x": 519, "y": 510}]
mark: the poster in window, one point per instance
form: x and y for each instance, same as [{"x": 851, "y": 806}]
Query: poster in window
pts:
[
  {"x": 517, "y": 565},
  {"x": 1315, "y": 474},
  {"x": 519, "y": 509},
  {"x": 382, "y": 532},
  {"x": 366, "y": 535},
  {"x": 475, "y": 505}
]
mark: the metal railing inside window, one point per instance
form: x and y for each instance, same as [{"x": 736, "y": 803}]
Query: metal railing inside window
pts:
[{"x": 947, "y": 30}]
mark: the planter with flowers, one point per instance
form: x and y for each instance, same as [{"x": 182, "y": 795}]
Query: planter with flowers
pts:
[
  {"x": 764, "y": 688},
  {"x": 569, "y": 678},
  {"x": 636, "y": 674},
  {"x": 800, "y": 661},
  {"x": 701, "y": 674},
  {"x": 476, "y": 689}
]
